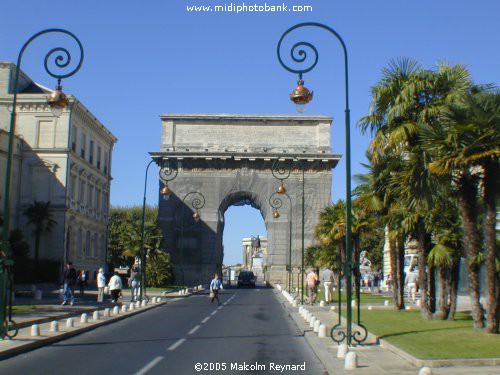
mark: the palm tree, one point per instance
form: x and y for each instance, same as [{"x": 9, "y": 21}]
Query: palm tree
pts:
[
  {"x": 467, "y": 148},
  {"x": 39, "y": 214}
]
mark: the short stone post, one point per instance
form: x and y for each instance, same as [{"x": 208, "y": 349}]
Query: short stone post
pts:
[
  {"x": 106, "y": 312},
  {"x": 294, "y": 303},
  {"x": 95, "y": 316},
  {"x": 138, "y": 304},
  {"x": 342, "y": 350},
  {"x": 425, "y": 371},
  {"x": 84, "y": 318},
  {"x": 69, "y": 323},
  {"x": 351, "y": 361},
  {"x": 312, "y": 321},
  {"x": 116, "y": 310},
  {"x": 386, "y": 302},
  {"x": 370, "y": 307},
  {"x": 309, "y": 317},
  {"x": 132, "y": 306},
  {"x": 144, "y": 303},
  {"x": 35, "y": 330},
  {"x": 38, "y": 295},
  {"x": 322, "y": 330},
  {"x": 300, "y": 309},
  {"x": 321, "y": 303},
  {"x": 124, "y": 308},
  {"x": 54, "y": 326},
  {"x": 317, "y": 323}
]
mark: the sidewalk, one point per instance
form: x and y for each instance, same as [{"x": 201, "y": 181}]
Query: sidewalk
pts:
[
  {"x": 69, "y": 318},
  {"x": 373, "y": 358}
]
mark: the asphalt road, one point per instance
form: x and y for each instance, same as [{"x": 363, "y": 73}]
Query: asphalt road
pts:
[{"x": 249, "y": 333}]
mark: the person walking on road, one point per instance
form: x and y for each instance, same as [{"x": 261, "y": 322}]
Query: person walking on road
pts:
[
  {"x": 328, "y": 285},
  {"x": 115, "y": 287},
  {"x": 215, "y": 286},
  {"x": 69, "y": 281},
  {"x": 101, "y": 283},
  {"x": 312, "y": 281}
]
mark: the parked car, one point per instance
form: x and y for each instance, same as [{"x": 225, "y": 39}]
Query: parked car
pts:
[{"x": 246, "y": 278}]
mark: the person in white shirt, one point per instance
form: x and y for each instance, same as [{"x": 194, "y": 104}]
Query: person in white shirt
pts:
[
  {"x": 101, "y": 283},
  {"x": 115, "y": 287},
  {"x": 412, "y": 283},
  {"x": 327, "y": 283}
]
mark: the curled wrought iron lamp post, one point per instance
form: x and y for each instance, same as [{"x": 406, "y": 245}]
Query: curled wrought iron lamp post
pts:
[
  {"x": 197, "y": 202},
  {"x": 57, "y": 101},
  {"x": 281, "y": 169},
  {"x": 276, "y": 203},
  {"x": 301, "y": 96},
  {"x": 167, "y": 173}
]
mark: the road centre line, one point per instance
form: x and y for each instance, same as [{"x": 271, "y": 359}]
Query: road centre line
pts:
[
  {"x": 220, "y": 307},
  {"x": 205, "y": 320},
  {"x": 194, "y": 330},
  {"x": 149, "y": 366},
  {"x": 214, "y": 312},
  {"x": 176, "y": 345}
]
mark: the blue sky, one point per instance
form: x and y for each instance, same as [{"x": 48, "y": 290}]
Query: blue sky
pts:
[{"x": 146, "y": 58}]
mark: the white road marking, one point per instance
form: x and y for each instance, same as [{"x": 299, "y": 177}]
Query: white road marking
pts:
[
  {"x": 176, "y": 344},
  {"x": 205, "y": 320},
  {"x": 220, "y": 307},
  {"x": 214, "y": 312},
  {"x": 194, "y": 330},
  {"x": 149, "y": 366}
]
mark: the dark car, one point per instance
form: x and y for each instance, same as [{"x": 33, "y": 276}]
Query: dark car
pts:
[{"x": 246, "y": 278}]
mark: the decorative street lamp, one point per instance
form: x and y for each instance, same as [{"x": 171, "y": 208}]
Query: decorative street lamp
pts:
[
  {"x": 167, "y": 173},
  {"x": 197, "y": 201},
  {"x": 57, "y": 102},
  {"x": 281, "y": 170},
  {"x": 276, "y": 203},
  {"x": 300, "y": 96}
]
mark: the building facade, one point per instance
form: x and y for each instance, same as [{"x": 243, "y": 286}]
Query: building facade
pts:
[{"x": 63, "y": 160}]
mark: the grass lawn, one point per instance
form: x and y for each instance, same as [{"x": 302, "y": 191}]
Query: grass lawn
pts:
[
  {"x": 167, "y": 289},
  {"x": 22, "y": 309},
  {"x": 365, "y": 297},
  {"x": 435, "y": 339}
]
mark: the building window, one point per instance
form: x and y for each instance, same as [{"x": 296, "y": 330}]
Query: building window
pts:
[
  {"x": 72, "y": 187},
  {"x": 97, "y": 199},
  {"x": 90, "y": 196},
  {"x": 87, "y": 244},
  {"x": 83, "y": 145},
  {"x": 81, "y": 192},
  {"x": 105, "y": 163},
  {"x": 74, "y": 138},
  {"x": 91, "y": 152},
  {"x": 99, "y": 157},
  {"x": 79, "y": 244}
]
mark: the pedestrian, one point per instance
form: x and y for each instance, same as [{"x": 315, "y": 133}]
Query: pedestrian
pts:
[
  {"x": 115, "y": 287},
  {"x": 101, "y": 283},
  {"x": 69, "y": 281},
  {"x": 411, "y": 283},
  {"x": 312, "y": 281},
  {"x": 132, "y": 283},
  {"x": 328, "y": 284},
  {"x": 82, "y": 281},
  {"x": 215, "y": 286}
]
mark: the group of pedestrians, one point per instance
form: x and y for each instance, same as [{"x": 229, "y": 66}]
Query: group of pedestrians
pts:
[{"x": 71, "y": 278}]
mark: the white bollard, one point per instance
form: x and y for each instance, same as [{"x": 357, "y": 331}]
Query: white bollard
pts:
[
  {"x": 342, "y": 350},
  {"x": 386, "y": 302},
  {"x": 353, "y": 303},
  {"x": 294, "y": 303},
  {"x": 131, "y": 307},
  {"x": 106, "y": 312},
  {"x": 332, "y": 308},
  {"x": 54, "y": 326},
  {"x": 312, "y": 321},
  {"x": 425, "y": 371},
  {"x": 300, "y": 309},
  {"x": 370, "y": 307},
  {"x": 322, "y": 303},
  {"x": 116, "y": 310},
  {"x": 124, "y": 308},
  {"x": 322, "y": 330},
  {"x": 138, "y": 304},
  {"x": 351, "y": 361},
  {"x": 95, "y": 316},
  {"x": 316, "y": 325},
  {"x": 38, "y": 295},
  {"x": 407, "y": 307},
  {"x": 84, "y": 318},
  {"x": 144, "y": 303},
  {"x": 309, "y": 317},
  {"x": 35, "y": 330},
  {"x": 419, "y": 302},
  {"x": 69, "y": 322}
]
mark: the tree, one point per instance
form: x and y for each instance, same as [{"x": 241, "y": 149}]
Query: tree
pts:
[{"x": 40, "y": 215}]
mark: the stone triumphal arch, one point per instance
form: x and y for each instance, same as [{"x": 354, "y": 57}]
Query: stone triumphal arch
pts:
[{"x": 222, "y": 160}]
